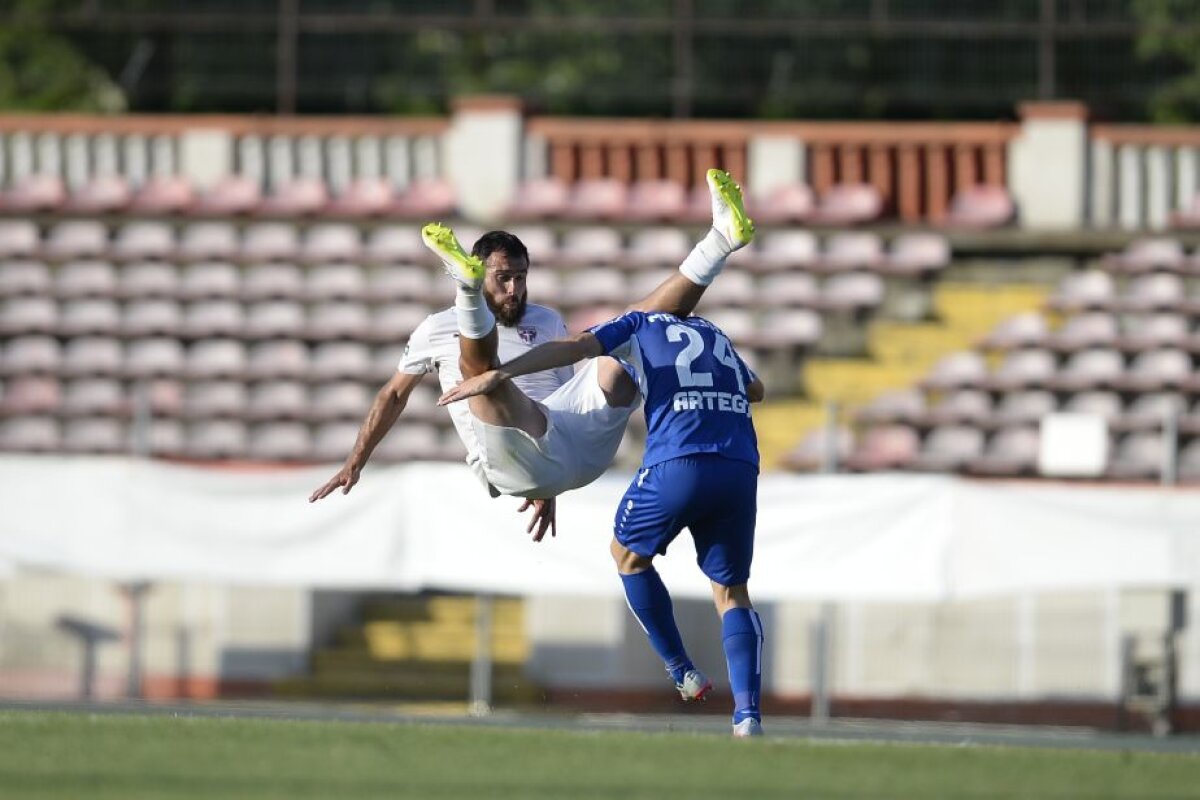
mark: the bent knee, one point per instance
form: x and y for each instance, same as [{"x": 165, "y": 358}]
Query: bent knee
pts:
[{"x": 627, "y": 561}]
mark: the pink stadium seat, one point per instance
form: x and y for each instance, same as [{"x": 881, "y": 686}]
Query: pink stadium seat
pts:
[
  {"x": 1093, "y": 329},
  {"x": 411, "y": 441},
  {"x": 18, "y": 237},
  {"x": 1150, "y": 410},
  {"x": 657, "y": 200},
  {"x": 852, "y": 291},
  {"x": 24, "y": 278},
  {"x": 336, "y": 282},
  {"x": 35, "y": 193},
  {"x": 737, "y": 288},
  {"x": 960, "y": 407},
  {"x": 540, "y": 241},
  {"x": 850, "y": 251},
  {"x": 79, "y": 317},
  {"x": 206, "y": 318},
  {"x": 166, "y": 437},
  {"x": 148, "y": 279},
  {"x": 848, "y": 204},
  {"x": 158, "y": 356},
  {"x": 1148, "y": 255},
  {"x": 234, "y": 194},
  {"x": 949, "y": 448},
  {"x": 216, "y": 439},
  {"x": 340, "y": 400},
  {"x": 28, "y": 315},
  {"x": 1164, "y": 329},
  {"x": 581, "y": 319},
  {"x": 699, "y": 206},
  {"x": 1154, "y": 292},
  {"x": 280, "y": 441},
  {"x": 887, "y": 447},
  {"x": 163, "y": 194},
  {"x": 737, "y": 324},
  {"x": 278, "y": 400},
  {"x": 273, "y": 281},
  {"x": 1138, "y": 456},
  {"x": 331, "y": 242},
  {"x": 103, "y": 194},
  {"x": 543, "y": 285},
  {"x": 1024, "y": 407},
  {"x": 94, "y": 396},
  {"x": 785, "y": 250},
  {"x": 78, "y": 279},
  {"x": 790, "y": 328},
  {"x": 333, "y": 440},
  {"x": 30, "y": 435},
  {"x": 657, "y": 246},
  {"x": 814, "y": 449},
  {"x": 788, "y": 289},
  {"x": 1187, "y": 217},
  {"x": 913, "y": 254},
  {"x": 593, "y": 286},
  {"x": 385, "y": 358},
  {"x": 1090, "y": 369},
  {"x": 1105, "y": 404},
  {"x": 1012, "y": 451},
  {"x": 78, "y": 238},
  {"x": 32, "y": 394},
  {"x": 31, "y": 355},
  {"x": 216, "y": 358},
  {"x": 215, "y": 398},
  {"x": 338, "y": 320},
  {"x": 96, "y": 435},
  {"x": 396, "y": 243},
  {"x": 275, "y": 318},
  {"x": 425, "y": 199},
  {"x": 961, "y": 370},
  {"x": 296, "y": 198},
  {"x": 340, "y": 361},
  {"x": 539, "y": 198},
  {"x": 208, "y": 240},
  {"x": 162, "y": 396},
  {"x": 981, "y": 207},
  {"x": 791, "y": 202},
  {"x": 1158, "y": 369},
  {"x": 1079, "y": 291},
  {"x": 594, "y": 245},
  {"x": 897, "y": 405},
  {"x": 1024, "y": 369},
  {"x": 597, "y": 199},
  {"x": 279, "y": 358},
  {"x": 210, "y": 280},
  {"x": 1022, "y": 330},
  {"x": 270, "y": 241},
  {"x": 397, "y": 282},
  {"x": 394, "y": 322},
  {"x": 92, "y": 355},
  {"x": 144, "y": 240},
  {"x": 363, "y": 197},
  {"x": 152, "y": 318}
]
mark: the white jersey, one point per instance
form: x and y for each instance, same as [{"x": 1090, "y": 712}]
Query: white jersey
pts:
[{"x": 433, "y": 347}]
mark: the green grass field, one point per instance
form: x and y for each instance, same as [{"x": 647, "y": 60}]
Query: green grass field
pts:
[{"x": 62, "y": 755}]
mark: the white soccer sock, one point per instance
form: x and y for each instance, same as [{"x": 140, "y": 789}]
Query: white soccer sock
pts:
[
  {"x": 475, "y": 319},
  {"x": 704, "y": 263}
]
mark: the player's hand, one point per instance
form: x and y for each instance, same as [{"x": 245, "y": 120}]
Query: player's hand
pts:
[
  {"x": 346, "y": 477},
  {"x": 543, "y": 517},
  {"x": 483, "y": 383}
]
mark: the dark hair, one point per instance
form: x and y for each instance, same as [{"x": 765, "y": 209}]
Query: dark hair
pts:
[{"x": 503, "y": 241}]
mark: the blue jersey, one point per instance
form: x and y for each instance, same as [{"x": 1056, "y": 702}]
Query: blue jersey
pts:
[{"x": 693, "y": 382}]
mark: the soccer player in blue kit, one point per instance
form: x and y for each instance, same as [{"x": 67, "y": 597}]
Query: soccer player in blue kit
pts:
[{"x": 699, "y": 471}]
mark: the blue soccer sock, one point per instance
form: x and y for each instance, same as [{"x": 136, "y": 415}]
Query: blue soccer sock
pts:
[
  {"x": 651, "y": 605},
  {"x": 741, "y": 634}
]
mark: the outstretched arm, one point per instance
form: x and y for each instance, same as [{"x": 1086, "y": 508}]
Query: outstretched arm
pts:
[
  {"x": 559, "y": 353},
  {"x": 385, "y": 410}
]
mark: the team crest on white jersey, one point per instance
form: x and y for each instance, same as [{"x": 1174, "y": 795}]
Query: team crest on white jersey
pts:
[{"x": 527, "y": 334}]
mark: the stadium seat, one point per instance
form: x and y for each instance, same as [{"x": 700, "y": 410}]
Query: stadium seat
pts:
[
  {"x": 788, "y": 289},
  {"x": 216, "y": 358},
  {"x": 35, "y": 193},
  {"x": 279, "y": 358},
  {"x": 30, "y": 434},
  {"x": 544, "y": 287},
  {"x": 1188, "y": 216},
  {"x": 852, "y": 291},
  {"x": 785, "y": 250},
  {"x": 278, "y": 400},
  {"x": 593, "y": 286},
  {"x": 280, "y": 441},
  {"x": 385, "y": 359},
  {"x": 848, "y": 204},
  {"x": 395, "y": 322},
  {"x": 981, "y": 207},
  {"x": 1152, "y": 331},
  {"x": 145, "y": 358},
  {"x": 1081, "y": 291},
  {"x": 1012, "y": 451},
  {"x": 208, "y": 240},
  {"x": 914, "y": 254},
  {"x": 28, "y": 315},
  {"x": 332, "y": 441},
  {"x": 78, "y": 279},
  {"x": 1102, "y": 403},
  {"x": 275, "y": 318},
  {"x": 32, "y": 394},
  {"x": 146, "y": 280},
  {"x": 79, "y": 317},
  {"x": 163, "y": 396},
  {"x": 657, "y": 247},
  {"x": 733, "y": 288},
  {"x": 163, "y": 194},
  {"x": 232, "y": 195},
  {"x": 31, "y": 355},
  {"x": 949, "y": 448},
  {"x": 1148, "y": 411},
  {"x": 1153, "y": 292},
  {"x": 1168, "y": 368},
  {"x": 338, "y": 320},
  {"x": 894, "y": 406},
  {"x": 592, "y": 245},
  {"x": 100, "y": 435},
  {"x": 850, "y": 251},
  {"x": 407, "y": 441},
  {"x": 1023, "y": 369},
  {"x": 739, "y": 325},
  {"x": 336, "y": 282},
  {"x": 215, "y": 398},
  {"x": 340, "y": 400},
  {"x": 363, "y": 197},
  {"x": 206, "y": 318},
  {"x": 1158, "y": 253},
  {"x": 597, "y": 199},
  {"x": 210, "y": 280},
  {"x": 396, "y": 282},
  {"x": 396, "y": 243},
  {"x": 78, "y": 238},
  {"x": 425, "y": 199},
  {"x": 152, "y": 318},
  {"x": 1022, "y": 330},
  {"x": 102, "y": 194},
  {"x": 216, "y": 439},
  {"x": 655, "y": 201},
  {"x": 961, "y": 370},
  {"x": 959, "y": 407},
  {"x": 18, "y": 238},
  {"x": 1092, "y": 329},
  {"x": 331, "y": 242},
  {"x": 165, "y": 437},
  {"x": 815, "y": 448},
  {"x": 1025, "y": 407},
  {"x": 539, "y": 198},
  {"x": 273, "y": 281},
  {"x": 24, "y": 278},
  {"x": 789, "y": 203},
  {"x": 92, "y": 355},
  {"x": 341, "y": 360},
  {"x": 296, "y": 198},
  {"x": 94, "y": 396},
  {"x": 144, "y": 240},
  {"x": 541, "y": 243},
  {"x": 270, "y": 241},
  {"x": 789, "y": 328},
  {"x": 887, "y": 447},
  {"x": 1096, "y": 368},
  {"x": 1138, "y": 456}
]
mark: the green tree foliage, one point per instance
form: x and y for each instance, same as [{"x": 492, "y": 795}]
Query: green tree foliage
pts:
[{"x": 1170, "y": 30}]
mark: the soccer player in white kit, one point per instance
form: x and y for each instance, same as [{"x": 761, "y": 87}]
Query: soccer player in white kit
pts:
[{"x": 546, "y": 433}]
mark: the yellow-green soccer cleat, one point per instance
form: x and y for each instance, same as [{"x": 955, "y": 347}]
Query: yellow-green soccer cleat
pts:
[
  {"x": 466, "y": 270},
  {"x": 729, "y": 213}
]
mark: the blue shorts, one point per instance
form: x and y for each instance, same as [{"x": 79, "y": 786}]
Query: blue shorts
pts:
[{"x": 714, "y": 497}]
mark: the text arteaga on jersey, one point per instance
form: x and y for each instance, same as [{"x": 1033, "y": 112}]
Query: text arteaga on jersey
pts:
[{"x": 710, "y": 401}]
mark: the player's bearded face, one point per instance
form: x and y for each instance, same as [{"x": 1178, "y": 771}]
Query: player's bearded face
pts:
[{"x": 504, "y": 288}]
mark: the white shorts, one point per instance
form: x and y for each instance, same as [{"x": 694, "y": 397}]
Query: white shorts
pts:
[{"x": 581, "y": 439}]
